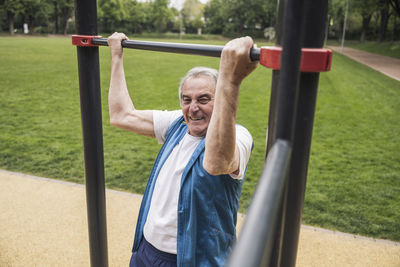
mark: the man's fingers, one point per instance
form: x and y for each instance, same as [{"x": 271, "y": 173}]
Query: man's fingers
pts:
[
  {"x": 117, "y": 37},
  {"x": 240, "y": 47}
]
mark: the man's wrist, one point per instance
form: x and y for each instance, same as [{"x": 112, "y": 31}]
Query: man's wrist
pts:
[
  {"x": 229, "y": 81},
  {"x": 116, "y": 59}
]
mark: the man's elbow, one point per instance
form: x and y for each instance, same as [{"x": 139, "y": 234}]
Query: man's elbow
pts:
[
  {"x": 218, "y": 166},
  {"x": 116, "y": 121}
]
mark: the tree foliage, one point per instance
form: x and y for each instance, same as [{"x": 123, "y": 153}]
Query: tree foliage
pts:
[
  {"x": 161, "y": 15},
  {"x": 366, "y": 9},
  {"x": 232, "y": 17},
  {"x": 395, "y": 5},
  {"x": 367, "y": 19},
  {"x": 110, "y": 14},
  {"x": 11, "y": 9},
  {"x": 214, "y": 16},
  {"x": 192, "y": 15}
]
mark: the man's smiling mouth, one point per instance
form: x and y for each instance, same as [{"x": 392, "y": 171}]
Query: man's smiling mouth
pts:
[{"x": 196, "y": 119}]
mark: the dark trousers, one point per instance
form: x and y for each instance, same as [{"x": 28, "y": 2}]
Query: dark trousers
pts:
[{"x": 149, "y": 256}]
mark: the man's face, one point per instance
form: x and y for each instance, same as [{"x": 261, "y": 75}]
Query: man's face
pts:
[{"x": 198, "y": 103}]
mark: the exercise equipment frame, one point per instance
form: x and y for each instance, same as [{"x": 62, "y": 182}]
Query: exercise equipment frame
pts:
[{"x": 270, "y": 234}]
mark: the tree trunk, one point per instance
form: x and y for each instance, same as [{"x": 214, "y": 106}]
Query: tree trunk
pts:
[
  {"x": 327, "y": 29},
  {"x": 365, "y": 26},
  {"x": 56, "y": 16},
  {"x": 10, "y": 16},
  {"x": 31, "y": 24},
  {"x": 340, "y": 31},
  {"x": 384, "y": 20},
  {"x": 396, "y": 6},
  {"x": 65, "y": 24}
]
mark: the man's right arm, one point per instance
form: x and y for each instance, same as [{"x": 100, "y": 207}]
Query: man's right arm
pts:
[{"x": 122, "y": 111}]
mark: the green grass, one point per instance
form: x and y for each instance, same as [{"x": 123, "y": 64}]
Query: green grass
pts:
[
  {"x": 390, "y": 49},
  {"x": 354, "y": 169},
  {"x": 353, "y": 183}
]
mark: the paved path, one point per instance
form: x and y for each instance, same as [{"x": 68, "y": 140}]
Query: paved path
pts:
[
  {"x": 43, "y": 222},
  {"x": 386, "y": 65}
]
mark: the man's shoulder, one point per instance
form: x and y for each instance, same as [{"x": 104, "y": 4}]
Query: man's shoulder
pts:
[
  {"x": 242, "y": 132},
  {"x": 166, "y": 115},
  {"x": 162, "y": 120}
]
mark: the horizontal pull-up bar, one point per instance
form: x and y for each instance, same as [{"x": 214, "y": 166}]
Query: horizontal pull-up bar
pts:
[
  {"x": 180, "y": 48},
  {"x": 313, "y": 59}
]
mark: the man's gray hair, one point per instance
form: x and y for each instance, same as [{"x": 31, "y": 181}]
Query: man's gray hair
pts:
[{"x": 195, "y": 72}]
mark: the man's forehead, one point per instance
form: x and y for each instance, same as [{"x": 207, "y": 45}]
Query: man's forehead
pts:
[{"x": 200, "y": 85}]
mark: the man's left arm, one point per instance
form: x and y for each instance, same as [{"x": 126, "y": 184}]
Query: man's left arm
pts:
[{"x": 221, "y": 152}]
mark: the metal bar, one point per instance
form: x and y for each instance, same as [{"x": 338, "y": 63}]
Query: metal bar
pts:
[
  {"x": 314, "y": 31},
  {"x": 290, "y": 70},
  {"x": 287, "y": 97},
  {"x": 89, "y": 83},
  {"x": 255, "y": 245},
  {"x": 275, "y": 83},
  {"x": 180, "y": 48}
]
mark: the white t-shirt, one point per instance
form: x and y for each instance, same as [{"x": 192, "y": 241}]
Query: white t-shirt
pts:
[{"x": 161, "y": 225}]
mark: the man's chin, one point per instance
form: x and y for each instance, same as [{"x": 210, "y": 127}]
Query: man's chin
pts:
[{"x": 197, "y": 131}]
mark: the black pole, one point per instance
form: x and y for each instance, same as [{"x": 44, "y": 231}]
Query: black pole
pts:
[
  {"x": 89, "y": 83},
  {"x": 285, "y": 93},
  {"x": 275, "y": 82},
  {"x": 180, "y": 48},
  {"x": 314, "y": 31},
  {"x": 255, "y": 245}
]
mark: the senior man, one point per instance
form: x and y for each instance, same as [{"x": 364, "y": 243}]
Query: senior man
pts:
[{"x": 189, "y": 208}]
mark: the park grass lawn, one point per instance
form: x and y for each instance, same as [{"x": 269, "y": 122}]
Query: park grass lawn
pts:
[{"x": 353, "y": 183}]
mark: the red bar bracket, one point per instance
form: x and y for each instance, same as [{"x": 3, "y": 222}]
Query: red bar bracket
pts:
[
  {"x": 312, "y": 59},
  {"x": 83, "y": 40}
]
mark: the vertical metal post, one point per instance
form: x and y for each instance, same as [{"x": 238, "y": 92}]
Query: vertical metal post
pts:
[
  {"x": 315, "y": 13},
  {"x": 271, "y": 133},
  {"x": 285, "y": 95},
  {"x": 89, "y": 83},
  {"x": 275, "y": 82}
]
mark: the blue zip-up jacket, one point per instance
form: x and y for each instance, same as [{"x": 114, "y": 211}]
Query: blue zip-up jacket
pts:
[{"x": 207, "y": 207}]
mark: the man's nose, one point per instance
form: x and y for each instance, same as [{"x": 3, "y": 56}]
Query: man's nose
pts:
[{"x": 194, "y": 106}]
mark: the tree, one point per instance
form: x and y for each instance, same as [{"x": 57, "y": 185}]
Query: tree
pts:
[
  {"x": 192, "y": 15},
  {"x": 177, "y": 24},
  {"x": 34, "y": 11},
  {"x": 161, "y": 15},
  {"x": 238, "y": 17},
  {"x": 55, "y": 5},
  {"x": 110, "y": 14},
  {"x": 384, "y": 10},
  {"x": 214, "y": 17},
  {"x": 137, "y": 16},
  {"x": 12, "y": 7},
  {"x": 245, "y": 16},
  {"x": 396, "y": 6},
  {"x": 270, "y": 7},
  {"x": 65, "y": 8},
  {"x": 366, "y": 8}
]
